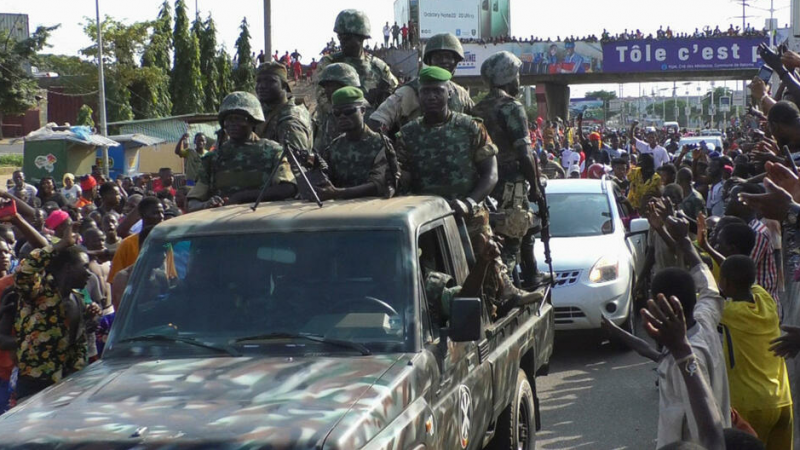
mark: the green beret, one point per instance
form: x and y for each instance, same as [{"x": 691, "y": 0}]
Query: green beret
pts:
[
  {"x": 347, "y": 95},
  {"x": 274, "y": 68},
  {"x": 433, "y": 74}
]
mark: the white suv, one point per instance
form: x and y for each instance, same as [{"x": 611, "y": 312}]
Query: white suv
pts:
[{"x": 595, "y": 258}]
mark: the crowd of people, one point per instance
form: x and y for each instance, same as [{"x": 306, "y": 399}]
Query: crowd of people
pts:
[
  {"x": 723, "y": 251},
  {"x": 723, "y": 247},
  {"x": 65, "y": 254}
]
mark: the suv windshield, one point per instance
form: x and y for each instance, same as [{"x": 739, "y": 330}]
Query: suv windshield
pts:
[
  {"x": 267, "y": 293},
  {"x": 573, "y": 215}
]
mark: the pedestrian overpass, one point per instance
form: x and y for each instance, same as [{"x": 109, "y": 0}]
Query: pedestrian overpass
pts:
[{"x": 553, "y": 66}]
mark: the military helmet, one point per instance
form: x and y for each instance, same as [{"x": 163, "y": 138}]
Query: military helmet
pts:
[
  {"x": 241, "y": 102},
  {"x": 341, "y": 72},
  {"x": 500, "y": 69},
  {"x": 443, "y": 41},
  {"x": 351, "y": 21}
]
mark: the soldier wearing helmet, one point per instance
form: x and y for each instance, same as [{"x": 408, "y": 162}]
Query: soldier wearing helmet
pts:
[
  {"x": 442, "y": 50},
  {"x": 332, "y": 78},
  {"x": 352, "y": 28},
  {"x": 450, "y": 155},
  {"x": 507, "y": 124},
  {"x": 237, "y": 170},
  {"x": 285, "y": 121}
]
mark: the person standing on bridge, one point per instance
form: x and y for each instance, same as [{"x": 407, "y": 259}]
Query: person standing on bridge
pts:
[
  {"x": 660, "y": 155},
  {"x": 442, "y": 50}
]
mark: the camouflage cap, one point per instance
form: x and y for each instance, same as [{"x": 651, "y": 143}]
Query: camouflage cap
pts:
[
  {"x": 433, "y": 75},
  {"x": 351, "y": 21},
  {"x": 341, "y": 72},
  {"x": 347, "y": 96},
  {"x": 500, "y": 69},
  {"x": 440, "y": 42},
  {"x": 274, "y": 68},
  {"x": 241, "y": 102}
]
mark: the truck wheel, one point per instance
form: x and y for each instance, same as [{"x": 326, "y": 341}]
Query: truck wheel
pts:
[{"x": 516, "y": 426}]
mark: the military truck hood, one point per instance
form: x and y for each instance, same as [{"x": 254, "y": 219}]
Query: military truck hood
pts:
[{"x": 224, "y": 402}]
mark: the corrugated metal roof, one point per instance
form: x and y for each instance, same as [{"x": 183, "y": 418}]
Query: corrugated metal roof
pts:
[
  {"x": 136, "y": 140},
  {"x": 169, "y": 129}
]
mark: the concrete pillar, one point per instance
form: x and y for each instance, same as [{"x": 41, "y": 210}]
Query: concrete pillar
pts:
[{"x": 557, "y": 99}]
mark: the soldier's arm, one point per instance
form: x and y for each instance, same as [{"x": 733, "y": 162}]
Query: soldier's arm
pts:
[
  {"x": 389, "y": 113},
  {"x": 404, "y": 184},
  {"x": 517, "y": 128},
  {"x": 294, "y": 135},
  {"x": 484, "y": 157}
]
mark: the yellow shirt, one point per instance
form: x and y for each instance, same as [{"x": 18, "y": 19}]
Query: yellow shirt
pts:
[
  {"x": 125, "y": 256},
  {"x": 641, "y": 189},
  {"x": 757, "y": 378}
]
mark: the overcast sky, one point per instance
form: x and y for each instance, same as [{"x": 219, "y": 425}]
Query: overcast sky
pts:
[{"x": 308, "y": 24}]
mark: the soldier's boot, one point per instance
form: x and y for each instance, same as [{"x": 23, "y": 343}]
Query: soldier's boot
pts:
[
  {"x": 531, "y": 275},
  {"x": 516, "y": 296}
]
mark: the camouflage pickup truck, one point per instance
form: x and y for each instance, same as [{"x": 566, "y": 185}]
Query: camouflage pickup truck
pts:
[{"x": 298, "y": 327}]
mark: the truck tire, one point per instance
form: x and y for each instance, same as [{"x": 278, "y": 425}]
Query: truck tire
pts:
[{"x": 516, "y": 426}]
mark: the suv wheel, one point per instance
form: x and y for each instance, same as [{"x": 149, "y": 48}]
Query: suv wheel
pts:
[{"x": 516, "y": 426}]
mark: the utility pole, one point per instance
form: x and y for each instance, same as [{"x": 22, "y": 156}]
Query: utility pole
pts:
[
  {"x": 268, "y": 28},
  {"x": 102, "y": 87}
]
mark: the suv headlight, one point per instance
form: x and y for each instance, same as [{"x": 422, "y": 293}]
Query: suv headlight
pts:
[{"x": 605, "y": 269}]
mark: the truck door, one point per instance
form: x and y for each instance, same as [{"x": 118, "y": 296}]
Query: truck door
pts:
[{"x": 462, "y": 400}]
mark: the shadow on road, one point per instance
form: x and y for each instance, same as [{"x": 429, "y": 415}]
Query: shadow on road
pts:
[{"x": 597, "y": 396}]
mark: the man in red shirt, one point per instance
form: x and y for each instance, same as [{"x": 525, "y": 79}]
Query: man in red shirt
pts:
[
  {"x": 298, "y": 70},
  {"x": 404, "y": 33},
  {"x": 164, "y": 181}
]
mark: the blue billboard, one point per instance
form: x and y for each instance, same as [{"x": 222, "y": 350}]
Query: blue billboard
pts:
[{"x": 662, "y": 55}]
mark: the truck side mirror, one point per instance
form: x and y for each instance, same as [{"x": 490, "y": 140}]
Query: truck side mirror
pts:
[{"x": 465, "y": 320}]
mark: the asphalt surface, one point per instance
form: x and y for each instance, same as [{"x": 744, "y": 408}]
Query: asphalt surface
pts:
[{"x": 597, "y": 396}]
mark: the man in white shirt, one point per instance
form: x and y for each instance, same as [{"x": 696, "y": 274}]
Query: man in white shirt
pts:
[
  {"x": 570, "y": 157},
  {"x": 660, "y": 155},
  {"x": 703, "y": 313},
  {"x": 387, "y": 30}
]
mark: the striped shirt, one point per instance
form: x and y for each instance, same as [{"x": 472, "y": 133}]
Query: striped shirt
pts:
[{"x": 766, "y": 269}]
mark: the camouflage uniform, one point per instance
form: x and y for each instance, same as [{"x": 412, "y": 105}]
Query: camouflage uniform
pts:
[
  {"x": 507, "y": 124},
  {"x": 288, "y": 124},
  {"x": 352, "y": 164},
  {"x": 235, "y": 168},
  {"x": 442, "y": 160},
  {"x": 376, "y": 76},
  {"x": 403, "y": 106},
  {"x": 324, "y": 123}
]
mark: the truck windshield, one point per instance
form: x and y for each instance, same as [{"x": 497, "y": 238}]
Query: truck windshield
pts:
[{"x": 267, "y": 293}]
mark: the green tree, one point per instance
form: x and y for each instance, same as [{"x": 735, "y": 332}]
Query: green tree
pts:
[
  {"x": 157, "y": 52},
  {"x": 719, "y": 92},
  {"x": 666, "y": 110},
  {"x": 606, "y": 97},
  {"x": 225, "y": 82},
  {"x": 18, "y": 89},
  {"x": 186, "y": 86},
  {"x": 244, "y": 75},
  {"x": 208, "y": 65},
  {"x": 85, "y": 116},
  {"x": 151, "y": 88}
]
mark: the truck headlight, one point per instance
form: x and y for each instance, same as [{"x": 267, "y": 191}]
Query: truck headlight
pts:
[{"x": 605, "y": 269}]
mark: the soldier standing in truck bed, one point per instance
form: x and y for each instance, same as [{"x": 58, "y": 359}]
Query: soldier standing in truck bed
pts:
[
  {"x": 353, "y": 28},
  {"x": 237, "y": 170},
  {"x": 285, "y": 122},
  {"x": 450, "y": 155},
  {"x": 507, "y": 124},
  {"x": 332, "y": 78},
  {"x": 442, "y": 50}
]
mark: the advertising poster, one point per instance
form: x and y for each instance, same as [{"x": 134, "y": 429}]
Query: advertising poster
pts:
[
  {"x": 682, "y": 54},
  {"x": 460, "y": 17},
  {"x": 592, "y": 108},
  {"x": 540, "y": 58}
]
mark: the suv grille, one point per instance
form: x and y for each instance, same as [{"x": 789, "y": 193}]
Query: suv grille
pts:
[
  {"x": 567, "y": 278},
  {"x": 566, "y": 314}
]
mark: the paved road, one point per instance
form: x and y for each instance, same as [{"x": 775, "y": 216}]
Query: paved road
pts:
[{"x": 597, "y": 397}]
